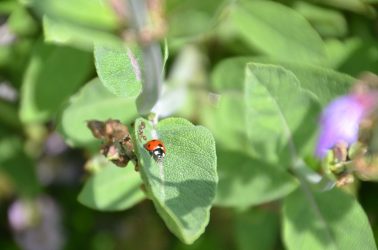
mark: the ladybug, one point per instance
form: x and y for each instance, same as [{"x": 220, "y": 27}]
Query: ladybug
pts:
[{"x": 156, "y": 149}]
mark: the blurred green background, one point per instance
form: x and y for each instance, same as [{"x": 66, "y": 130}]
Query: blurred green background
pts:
[{"x": 44, "y": 145}]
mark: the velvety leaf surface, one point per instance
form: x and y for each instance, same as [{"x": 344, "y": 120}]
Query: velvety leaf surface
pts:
[
  {"x": 183, "y": 185},
  {"x": 119, "y": 69},
  {"x": 276, "y": 109}
]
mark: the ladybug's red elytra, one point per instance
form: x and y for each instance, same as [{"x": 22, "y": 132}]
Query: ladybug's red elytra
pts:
[{"x": 156, "y": 149}]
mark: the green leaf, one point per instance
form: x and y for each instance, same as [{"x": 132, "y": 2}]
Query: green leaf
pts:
[
  {"x": 281, "y": 117},
  {"x": 120, "y": 69},
  {"x": 59, "y": 32},
  {"x": 201, "y": 14},
  {"x": 7, "y": 6},
  {"x": 16, "y": 165},
  {"x": 257, "y": 229},
  {"x": 261, "y": 24},
  {"x": 93, "y": 101},
  {"x": 327, "y": 22},
  {"x": 9, "y": 115},
  {"x": 325, "y": 83},
  {"x": 228, "y": 75},
  {"x": 65, "y": 22},
  {"x": 364, "y": 57},
  {"x": 358, "y": 6},
  {"x": 227, "y": 80},
  {"x": 227, "y": 118},
  {"x": 21, "y": 23},
  {"x": 97, "y": 15},
  {"x": 111, "y": 188},
  {"x": 327, "y": 220},
  {"x": 338, "y": 51},
  {"x": 54, "y": 73},
  {"x": 183, "y": 185},
  {"x": 244, "y": 181}
]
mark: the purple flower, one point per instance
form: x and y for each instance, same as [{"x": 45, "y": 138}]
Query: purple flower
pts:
[
  {"x": 340, "y": 120},
  {"x": 36, "y": 224}
]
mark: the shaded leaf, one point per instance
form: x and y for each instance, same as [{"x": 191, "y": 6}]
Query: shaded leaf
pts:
[
  {"x": 111, "y": 188},
  {"x": 54, "y": 73},
  {"x": 257, "y": 229},
  {"x": 244, "y": 181},
  {"x": 327, "y": 22},
  {"x": 16, "y": 165},
  {"x": 327, "y": 220},
  {"x": 358, "y": 6}
]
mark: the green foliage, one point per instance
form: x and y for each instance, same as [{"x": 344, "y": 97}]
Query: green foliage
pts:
[
  {"x": 249, "y": 79},
  {"x": 98, "y": 14},
  {"x": 228, "y": 80},
  {"x": 54, "y": 73},
  {"x": 328, "y": 23},
  {"x": 77, "y": 36},
  {"x": 245, "y": 181},
  {"x": 278, "y": 31},
  {"x": 120, "y": 69},
  {"x": 327, "y": 220},
  {"x": 93, "y": 101},
  {"x": 65, "y": 22},
  {"x": 111, "y": 188},
  {"x": 17, "y": 166},
  {"x": 256, "y": 229},
  {"x": 276, "y": 108},
  {"x": 183, "y": 185}
]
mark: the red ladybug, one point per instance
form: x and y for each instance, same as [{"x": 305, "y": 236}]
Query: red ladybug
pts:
[{"x": 156, "y": 149}]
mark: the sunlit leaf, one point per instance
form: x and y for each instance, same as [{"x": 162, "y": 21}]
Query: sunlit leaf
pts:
[
  {"x": 120, "y": 69},
  {"x": 93, "y": 102},
  {"x": 278, "y": 31},
  {"x": 281, "y": 117},
  {"x": 183, "y": 185}
]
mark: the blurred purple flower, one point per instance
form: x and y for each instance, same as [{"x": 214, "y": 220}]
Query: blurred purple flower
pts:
[
  {"x": 340, "y": 120},
  {"x": 36, "y": 224}
]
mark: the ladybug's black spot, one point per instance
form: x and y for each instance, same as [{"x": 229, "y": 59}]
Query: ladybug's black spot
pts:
[{"x": 160, "y": 145}]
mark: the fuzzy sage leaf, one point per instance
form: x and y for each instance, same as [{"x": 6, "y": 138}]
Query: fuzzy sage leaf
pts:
[{"x": 182, "y": 187}]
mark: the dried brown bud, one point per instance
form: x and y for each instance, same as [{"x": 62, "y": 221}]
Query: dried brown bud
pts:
[{"x": 117, "y": 144}]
